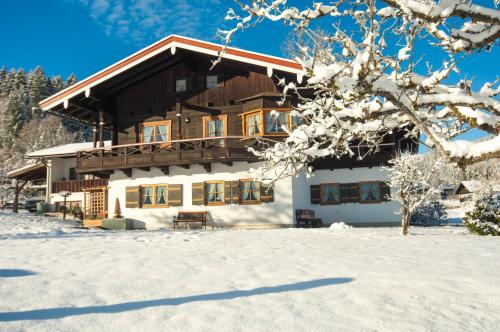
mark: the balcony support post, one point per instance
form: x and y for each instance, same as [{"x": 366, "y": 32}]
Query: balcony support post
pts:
[
  {"x": 94, "y": 135},
  {"x": 101, "y": 129}
]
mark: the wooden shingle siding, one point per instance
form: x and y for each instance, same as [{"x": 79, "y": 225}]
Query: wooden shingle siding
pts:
[
  {"x": 153, "y": 98},
  {"x": 133, "y": 197}
]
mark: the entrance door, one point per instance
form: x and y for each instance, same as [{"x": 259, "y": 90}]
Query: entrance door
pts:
[{"x": 95, "y": 203}]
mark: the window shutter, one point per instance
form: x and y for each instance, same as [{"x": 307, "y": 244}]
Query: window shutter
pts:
[
  {"x": 133, "y": 197},
  {"x": 174, "y": 195},
  {"x": 227, "y": 192},
  {"x": 198, "y": 193},
  {"x": 266, "y": 193},
  {"x": 235, "y": 192},
  {"x": 385, "y": 192},
  {"x": 315, "y": 194},
  {"x": 349, "y": 192}
]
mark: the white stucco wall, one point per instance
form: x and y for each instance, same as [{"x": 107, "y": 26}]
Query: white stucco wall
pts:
[
  {"x": 353, "y": 213},
  {"x": 60, "y": 168},
  {"x": 277, "y": 213}
]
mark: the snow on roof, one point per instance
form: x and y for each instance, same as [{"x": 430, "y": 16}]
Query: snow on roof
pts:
[
  {"x": 25, "y": 169},
  {"x": 476, "y": 186},
  {"x": 64, "y": 150},
  {"x": 173, "y": 42}
]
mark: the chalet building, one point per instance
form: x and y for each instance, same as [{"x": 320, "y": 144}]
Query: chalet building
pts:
[{"x": 180, "y": 136}]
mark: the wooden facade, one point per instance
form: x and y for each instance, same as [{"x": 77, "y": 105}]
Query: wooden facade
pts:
[{"x": 147, "y": 93}]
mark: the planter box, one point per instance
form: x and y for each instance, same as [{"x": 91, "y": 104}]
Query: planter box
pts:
[{"x": 117, "y": 224}]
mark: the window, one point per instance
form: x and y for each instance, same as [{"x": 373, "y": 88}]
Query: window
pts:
[
  {"x": 215, "y": 126},
  {"x": 249, "y": 191},
  {"x": 369, "y": 192},
  {"x": 253, "y": 124},
  {"x": 154, "y": 195},
  {"x": 214, "y": 192},
  {"x": 276, "y": 122},
  {"x": 147, "y": 195},
  {"x": 269, "y": 122},
  {"x": 296, "y": 120},
  {"x": 161, "y": 195},
  {"x": 156, "y": 131},
  {"x": 181, "y": 85},
  {"x": 329, "y": 193},
  {"x": 211, "y": 81}
]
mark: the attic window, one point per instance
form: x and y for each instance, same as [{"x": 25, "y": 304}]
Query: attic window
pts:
[
  {"x": 181, "y": 85},
  {"x": 211, "y": 81}
]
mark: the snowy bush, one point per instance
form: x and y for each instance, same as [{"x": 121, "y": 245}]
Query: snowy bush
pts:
[
  {"x": 429, "y": 214},
  {"x": 484, "y": 219}
]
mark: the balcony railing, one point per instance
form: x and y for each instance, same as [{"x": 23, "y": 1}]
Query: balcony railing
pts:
[
  {"x": 75, "y": 186},
  {"x": 160, "y": 154}
]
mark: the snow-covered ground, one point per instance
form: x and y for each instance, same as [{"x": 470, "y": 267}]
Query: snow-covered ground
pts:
[{"x": 57, "y": 278}]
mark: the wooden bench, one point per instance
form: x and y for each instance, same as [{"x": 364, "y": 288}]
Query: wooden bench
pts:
[
  {"x": 191, "y": 216},
  {"x": 306, "y": 218}
]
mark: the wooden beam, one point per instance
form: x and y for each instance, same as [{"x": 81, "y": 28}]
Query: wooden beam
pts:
[
  {"x": 186, "y": 166},
  {"x": 227, "y": 163},
  {"x": 142, "y": 74},
  {"x": 178, "y": 113},
  {"x": 145, "y": 169},
  {"x": 127, "y": 172},
  {"x": 207, "y": 167}
]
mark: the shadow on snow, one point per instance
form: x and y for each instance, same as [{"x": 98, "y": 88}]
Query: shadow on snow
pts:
[
  {"x": 56, "y": 313},
  {"x": 13, "y": 273}
]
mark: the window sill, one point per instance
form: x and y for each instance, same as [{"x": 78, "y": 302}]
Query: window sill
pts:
[
  {"x": 249, "y": 202},
  {"x": 216, "y": 204}
]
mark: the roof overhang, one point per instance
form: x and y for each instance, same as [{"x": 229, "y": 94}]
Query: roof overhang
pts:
[
  {"x": 172, "y": 43},
  {"x": 29, "y": 172}
]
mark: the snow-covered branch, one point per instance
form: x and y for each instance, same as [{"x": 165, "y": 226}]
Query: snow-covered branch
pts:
[{"x": 365, "y": 78}]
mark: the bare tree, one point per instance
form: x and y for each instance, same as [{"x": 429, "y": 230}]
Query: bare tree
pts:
[{"x": 413, "y": 181}]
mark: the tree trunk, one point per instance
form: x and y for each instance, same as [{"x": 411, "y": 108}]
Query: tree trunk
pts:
[
  {"x": 15, "y": 203},
  {"x": 405, "y": 222}
]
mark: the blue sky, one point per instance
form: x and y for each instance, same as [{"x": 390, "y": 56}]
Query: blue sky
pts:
[{"x": 84, "y": 36}]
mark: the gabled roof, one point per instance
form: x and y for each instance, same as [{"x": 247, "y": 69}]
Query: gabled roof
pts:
[
  {"x": 67, "y": 150},
  {"x": 172, "y": 42}
]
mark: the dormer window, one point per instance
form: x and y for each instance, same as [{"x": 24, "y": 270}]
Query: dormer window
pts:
[
  {"x": 211, "y": 81},
  {"x": 268, "y": 122},
  {"x": 181, "y": 85}
]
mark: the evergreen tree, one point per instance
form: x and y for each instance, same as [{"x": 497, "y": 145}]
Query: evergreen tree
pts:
[{"x": 37, "y": 85}]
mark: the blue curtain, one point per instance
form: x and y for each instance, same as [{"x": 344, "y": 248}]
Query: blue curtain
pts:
[
  {"x": 276, "y": 122},
  {"x": 330, "y": 193},
  {"x": 370, "y": 191}
]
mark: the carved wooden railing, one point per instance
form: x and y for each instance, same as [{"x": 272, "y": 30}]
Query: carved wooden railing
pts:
[
  {"x": 168, "y": 153},
  {"x": 75, "y": 186}
]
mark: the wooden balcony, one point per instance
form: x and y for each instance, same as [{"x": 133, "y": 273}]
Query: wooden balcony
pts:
[
  {"x": 183, "y": 152},
  {"x": 75, "y": 186}
]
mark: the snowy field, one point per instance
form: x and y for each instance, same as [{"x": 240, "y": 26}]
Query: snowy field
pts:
[{"x": 57, "y": 278}]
